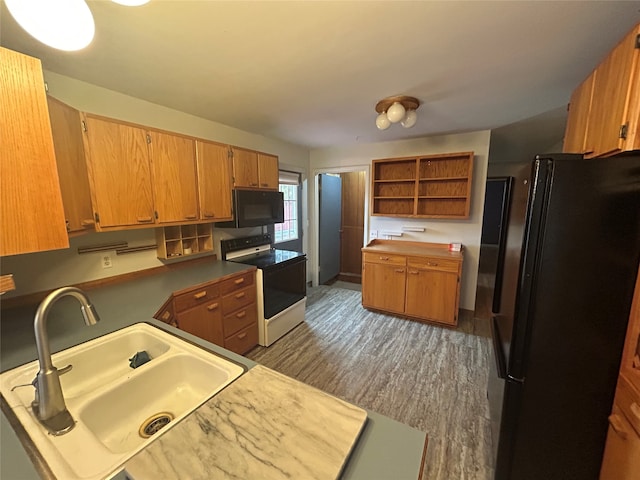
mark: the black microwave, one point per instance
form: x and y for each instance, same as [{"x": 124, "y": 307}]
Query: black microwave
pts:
[{"x": 253, "y": 208}]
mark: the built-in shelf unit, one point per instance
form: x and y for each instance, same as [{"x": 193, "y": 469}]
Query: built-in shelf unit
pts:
[{"x": 182, "y": 240}]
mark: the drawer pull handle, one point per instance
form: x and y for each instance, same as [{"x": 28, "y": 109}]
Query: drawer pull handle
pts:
[
  {"x": 635, "y": 409},
  {"x": 242, "y": 335},
  {"x": 252, "y": 184},
  {"x": 165, "y": 316},
  {"x": 144, "y": 219},
  {"x": 193, "y": 216},
  {"x": 399, "y": 270},
  {"x": 239, "y": 281},
  {"x": 264, "y": 184},
  {"x": 618, "y": 426},
  {"x": 384, "y": 258},
  {"x": 414, "y": 272},
  {"x": 213, "y": 306},
  {"x": 240, "y": 295},
  {"x": 432, "y": 264},
  {"x": 208, "y": 215},
  {"x": 174, "y": 323},
  {"x": 88, "y": 223},
  {"x": 242, "y": 314},
  {"x": 200, "y": 295}
]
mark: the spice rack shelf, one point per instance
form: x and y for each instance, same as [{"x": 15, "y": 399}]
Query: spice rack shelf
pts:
[
  {"x": 426, "y": 186},
  {"x": 184, "y": 240}
]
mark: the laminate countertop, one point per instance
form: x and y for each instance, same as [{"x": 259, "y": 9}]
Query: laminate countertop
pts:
[
  {"x": 421, "y": 249},
  {"x": 384, "y": 449}
]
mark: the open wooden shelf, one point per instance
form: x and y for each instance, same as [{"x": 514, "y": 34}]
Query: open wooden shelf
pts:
[
  {"x": 426, "y": 186},
  {"x": 183, "y": 240}
]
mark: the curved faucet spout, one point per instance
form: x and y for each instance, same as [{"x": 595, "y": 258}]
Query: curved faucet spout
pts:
[{"x": 49, "y": 405}]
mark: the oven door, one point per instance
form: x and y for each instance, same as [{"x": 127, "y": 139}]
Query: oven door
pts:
[{"x": 283, "y": 285}]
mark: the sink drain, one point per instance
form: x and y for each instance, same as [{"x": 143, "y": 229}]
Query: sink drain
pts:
[{"x": 154, "y": 423}]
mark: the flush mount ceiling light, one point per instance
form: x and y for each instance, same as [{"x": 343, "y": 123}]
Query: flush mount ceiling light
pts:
[
  {"x": 397, "y": 109},
  {"x": 62, "y": 24},
  {"x": 131, "y": 3}
]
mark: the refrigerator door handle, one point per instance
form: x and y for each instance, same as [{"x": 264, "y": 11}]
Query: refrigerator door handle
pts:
[{"x": 498, "y": 353}]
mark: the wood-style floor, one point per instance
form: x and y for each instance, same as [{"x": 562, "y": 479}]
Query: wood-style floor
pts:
[{"x": 429, "y": 377}]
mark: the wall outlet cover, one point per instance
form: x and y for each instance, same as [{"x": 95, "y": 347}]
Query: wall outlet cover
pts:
[
  {"x": 373, "y": 234},
  {"x": 106, "y": 261}
]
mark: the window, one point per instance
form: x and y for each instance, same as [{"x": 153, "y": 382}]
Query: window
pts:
[{"x": 289, "y": 186}]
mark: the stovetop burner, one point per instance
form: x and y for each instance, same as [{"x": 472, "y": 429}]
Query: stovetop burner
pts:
[{"x": 257, "y": 250}]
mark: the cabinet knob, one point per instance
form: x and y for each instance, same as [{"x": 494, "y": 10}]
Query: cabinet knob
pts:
[
  {"x": 264, "y": 184},
  {"x": 242, "y": 335},
  {"x": 144, "y": 219},
  {"x": 414, "y": 272},
  {"x": 208, "y": 215},
  {"x": 200, "y": 295},
  {"x": 193, "y": 216},
  {"x": 165, "y": 316},
  {"x": 241, "y": 314},
  {"x": 253, "y": 184},
  {"x": 240, "y": 295},
  {"x": 384, "y": 258},
  {"x": 88, "y": 222},
  {"x": 211, "y": 307},
  {"x": 399, "y": 270},
  {"x": 432, "y": 264},
  {"x": 239, "y": 281}
]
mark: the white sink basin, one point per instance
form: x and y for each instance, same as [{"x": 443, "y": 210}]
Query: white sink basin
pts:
[{"x": 112, "y": 403}]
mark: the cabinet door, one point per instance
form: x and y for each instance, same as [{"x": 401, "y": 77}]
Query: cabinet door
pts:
[
  {"x": 72, "y": 166},
  {"x": 119, "y": 173},
  {"x": 245, "y": 168},
  {"x": 31, "y": 212},
  {"x": 204, "y": 322},
  {"x": 432, "y": 295},
  {"x": 214, "y": 181},
  {"x": 621, "y": 459},
  {"x": 578, "y": 120},
  {"x": 383, "y": 287},
  {"x": 173, "y": 167},
  {"x": 610, "y": 102},
  {"x": 268, "y": 173}
]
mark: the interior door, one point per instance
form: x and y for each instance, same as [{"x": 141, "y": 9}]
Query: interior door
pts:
[
  {"x": 330, "y": 193},
  {"x": 352, "y": 230}
]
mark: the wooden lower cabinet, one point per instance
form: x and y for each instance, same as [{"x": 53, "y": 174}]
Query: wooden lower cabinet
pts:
[
  {"x": 415, "y": 279},
  {"x": 223, "y": 312},
  {"x": 385, "y": 287}
]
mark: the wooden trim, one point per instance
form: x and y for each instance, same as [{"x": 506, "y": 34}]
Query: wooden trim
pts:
[
  {"x": 33, "y": 298},
  {"x": 424, "y": 457},
  {"x": 6, "y": 283}
]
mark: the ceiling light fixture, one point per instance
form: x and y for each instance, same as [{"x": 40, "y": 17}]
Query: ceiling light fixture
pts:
[
  {"x": 396, "y": 109},
  {"x": 131, "y": 3},
  {"x": 62, "y": 24}
]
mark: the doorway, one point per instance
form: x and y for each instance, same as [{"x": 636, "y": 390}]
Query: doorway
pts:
[{"x": 340, "y": 226}]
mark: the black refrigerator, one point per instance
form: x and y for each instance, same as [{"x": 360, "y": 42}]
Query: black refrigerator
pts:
[{"x": 569, "y": 263}]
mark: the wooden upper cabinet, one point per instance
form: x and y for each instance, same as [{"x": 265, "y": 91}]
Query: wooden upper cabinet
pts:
[
  {"x": 72, "y": 167},
  {"x": 31, "y": 212},
  {"x": 214, "y": 181},
  {"x": 173, "y": 168},
  {"x": 119, "y": 173},
  {"x": 245, "y": 168},
  {"x": 254, "y": 170},
  {"x": 575, "y": 136},
  {"x": 268, "y": 173},
  {"x": 614, "y": 114}
]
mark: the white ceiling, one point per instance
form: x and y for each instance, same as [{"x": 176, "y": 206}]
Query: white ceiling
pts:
[{"x": 310, "y": 73}]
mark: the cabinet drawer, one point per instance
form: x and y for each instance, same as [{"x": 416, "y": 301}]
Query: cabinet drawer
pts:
[
  {"x": 628, "y": 399},
  {"x": 237, "y": 282},
  {"x": 386, "y": 258},
  {"x": 621, "y": 459},
  {"x": 434, "y": 263},
  {"x": 238, "y": 299},
  {"x": 244, "y": 340},
  {"x": 239, "y": 319},
  {"x": 196, "y": 297}
]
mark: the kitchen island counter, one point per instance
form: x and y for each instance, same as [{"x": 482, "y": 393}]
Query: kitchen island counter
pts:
[{"x": 385, "y": 448}]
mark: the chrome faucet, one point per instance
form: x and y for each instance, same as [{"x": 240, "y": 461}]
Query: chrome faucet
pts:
[{"x": 49, "y": 406}]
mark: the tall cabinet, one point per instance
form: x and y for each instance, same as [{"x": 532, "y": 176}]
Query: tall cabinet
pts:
[{"x": 31, "y": 213}]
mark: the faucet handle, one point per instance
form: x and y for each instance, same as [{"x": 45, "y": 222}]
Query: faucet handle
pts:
[
  {"x": 32, "y": 384},
  {"x": 63, "y": 370}
]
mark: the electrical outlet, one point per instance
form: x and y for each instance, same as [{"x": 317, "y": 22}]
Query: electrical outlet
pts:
[
  {"x": 106, "y": 261},
  {"x": 373, "y": 234}
]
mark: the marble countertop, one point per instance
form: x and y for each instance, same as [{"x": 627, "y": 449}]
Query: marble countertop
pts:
[
  {"x": 385, "y": 449},
  {"x": 264, "y": 425}
]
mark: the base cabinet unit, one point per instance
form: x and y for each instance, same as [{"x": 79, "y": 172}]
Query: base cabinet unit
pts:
[
  {"x": 31, "y": 211},
  {"x": 621, "y": 459},
  {"x": 223, "y": 312},
  {"x": 413, "y": 279}
]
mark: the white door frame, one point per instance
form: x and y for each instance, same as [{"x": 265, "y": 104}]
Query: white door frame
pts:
[{"x": 315, "y": 224}]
